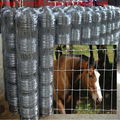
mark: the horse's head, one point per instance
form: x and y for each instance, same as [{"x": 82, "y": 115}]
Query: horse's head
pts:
[{"x": 90, "y": 80}]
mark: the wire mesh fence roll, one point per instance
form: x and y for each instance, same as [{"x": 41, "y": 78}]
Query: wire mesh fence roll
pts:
[
  {"x": 29, "y": 113},
  {"x": 46, "y": 76},
  {"x": 9, "y": 57},
  {"x": 46, "y": 106},
  {"x": 46, "y": 58},
  {"x": 27, "y": 62},
  {"x": 28, "y": 84},
  {"x": 28, "y": 100},
  {"x": 76, "y": 19},
  {"x": 86, "y": 27},
  {"x": 11, "y": 75},
  {"x": 46, "y": 90},
  {"x": 116, "y": 23},
  {"x": 95, "y": 32},
  {"x": 103, "y": 30},
  {"x": 26, "y": 32},
  {"x": 12, "y": 97},
  {"x": 27, "y": 67},
  {"x": 109, "y": 22},
  {"x": 63, "y": 28},
  {"x": 46, "y": 22}
]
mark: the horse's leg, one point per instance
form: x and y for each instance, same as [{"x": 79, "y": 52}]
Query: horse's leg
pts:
[{"x": 60, "y": 106}]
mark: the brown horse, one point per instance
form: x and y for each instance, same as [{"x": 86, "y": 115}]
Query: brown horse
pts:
[{"x": 69, "y": 73}]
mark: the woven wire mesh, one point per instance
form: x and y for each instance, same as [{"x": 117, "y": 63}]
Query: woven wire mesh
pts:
[
  {"x": 27, "y": 62},
  {"x": 46, "y": 22},
  {"x": 9, "y": 53},
  {"x": 75, "y": 97}
]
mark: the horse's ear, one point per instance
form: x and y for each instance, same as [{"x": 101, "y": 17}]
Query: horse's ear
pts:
[{"x": 91, "y": 70}]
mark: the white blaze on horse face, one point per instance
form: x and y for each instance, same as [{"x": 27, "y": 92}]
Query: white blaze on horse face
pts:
[{"x": 97, "y": 74}]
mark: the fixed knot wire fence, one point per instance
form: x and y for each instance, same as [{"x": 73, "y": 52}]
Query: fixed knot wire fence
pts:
[
  {"x": 29, "y": 37},
  {"x": 85, "y": 79}
]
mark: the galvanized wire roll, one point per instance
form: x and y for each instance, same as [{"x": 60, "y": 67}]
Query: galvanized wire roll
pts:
[
  {"x": 86, "y": 34},
  {"x": 96, "y": 28},
  {"x": 8, "y": 33},
  {"x": 28, "y": 84},
  {"x": 113, "y": 20},
  {"x": 46, "y": 76},
  {"x": 28, "y": 100},
  {"x": 102, "y": 40},
  {"x": 26, "y": 32},
  {"x": 12, "y": 97},
  {"x": 46, "y": 58},
  {"x": 27, "y": 66},
  {"x": 27, "y": 45},
  {"x": 76, "y": 20},
  {"x": 87, "y": 17},
  {"x": 109, "y": 20},
  {"x": 29, "y": 113},
  {"x": 46, "y": 41},
  {"x": 12, "y": 90},
  {"x": 46, "y": 106},
  {"x": 9, "y": 20},
  {"x": 117, "y": 19},
  {"x": 46, "y": 90},
  {"x": 103, "y": 27},
  {"x": 63, "y": 28},
  {"x": 11, "y": 75},
  {"x": 46, "y": 22},
  {"x": 86, "y": 27},
  {"x": 10, "y": 39},
  {"x": 116, "y": 36},
  {"x": 47, "y": 19},
  {"x": 13, "y": 102},
  {"x": 11, "y": 59}
]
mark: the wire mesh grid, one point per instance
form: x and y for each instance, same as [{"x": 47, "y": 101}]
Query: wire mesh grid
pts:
[{"x": 84, "y": 83}]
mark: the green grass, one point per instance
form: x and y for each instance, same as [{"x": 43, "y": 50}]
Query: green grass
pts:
[{"x": 84, "y": 49}]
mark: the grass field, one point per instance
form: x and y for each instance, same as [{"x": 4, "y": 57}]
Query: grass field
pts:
[{"x": 84, "y": 49}]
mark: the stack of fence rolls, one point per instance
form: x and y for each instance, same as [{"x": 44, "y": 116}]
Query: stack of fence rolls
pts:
[
  {"x": 9, "y": 52},
  {"x": 46, "y": 37},
  {"x": 27, "y": 63},
  {"x": 29, "y": 37}
]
